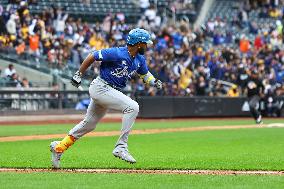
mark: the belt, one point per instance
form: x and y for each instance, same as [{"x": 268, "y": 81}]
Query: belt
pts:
[{"x": 113, "y": 86}]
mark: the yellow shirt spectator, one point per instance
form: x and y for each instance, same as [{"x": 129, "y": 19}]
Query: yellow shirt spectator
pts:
[
  {"x": 97, "y": 43},
  {"x": 3, "y": 39},
  {"x": 274, "y": 13},
  {"x": 26, "y": 12},
  {"x": 233, "y": 91},
  {"x": 25, "y": 32},
  {"x": 185, "y": 78},
  {"x": 92, "y": 41}
]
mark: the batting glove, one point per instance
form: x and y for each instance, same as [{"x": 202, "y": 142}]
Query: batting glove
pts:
[
  {"x": 76, "y": 79},
  {"x": 158, "y": 84}
]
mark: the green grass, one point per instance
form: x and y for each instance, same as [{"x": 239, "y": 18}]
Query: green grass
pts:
[
  {"x": 64, "y": 128},
  {"x": 117, "y": 181},
  {"x": 242, "y": 149}
]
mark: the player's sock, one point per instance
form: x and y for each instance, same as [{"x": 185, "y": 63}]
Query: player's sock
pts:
[{"x": 64, "y": 144}]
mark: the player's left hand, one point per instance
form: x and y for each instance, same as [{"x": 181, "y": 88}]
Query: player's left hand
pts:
[
  {"x": 158, "y": 84},
  {"x": 76, "y": 79}
]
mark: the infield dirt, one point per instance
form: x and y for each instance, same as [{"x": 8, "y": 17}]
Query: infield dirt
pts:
[
  {"x": 135, "y": 132},
  {"x": 145, "y": 171}
]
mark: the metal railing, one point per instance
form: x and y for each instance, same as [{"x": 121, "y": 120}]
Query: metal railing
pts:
[
  {"x": 34, "y": 99},
  {"x": 40, "y": 100}
]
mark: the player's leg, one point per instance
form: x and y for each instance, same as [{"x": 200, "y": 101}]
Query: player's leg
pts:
[
  {"x": 254, "y": 105},
  {"x": 94, "y": 113},
  {"x": 114, "y": 99},
  {"x": 130, "y": 110}
]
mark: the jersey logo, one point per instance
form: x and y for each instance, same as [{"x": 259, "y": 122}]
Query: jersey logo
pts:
[
  {"x": 120, "y": 72},
  {"x": 123, "y": 72},
  {"x": 124, "y": 63}
]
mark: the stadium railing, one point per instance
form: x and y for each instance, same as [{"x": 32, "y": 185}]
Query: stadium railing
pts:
[
  {"x": 34, "y": 99},
  {"x": 150, "y": 107}
]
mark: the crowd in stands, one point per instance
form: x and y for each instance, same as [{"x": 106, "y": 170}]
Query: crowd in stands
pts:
[
  {"x": 10, "y": 78},
  {"x": 203, "y": 61},
  {"x": 207, "y": 61}
]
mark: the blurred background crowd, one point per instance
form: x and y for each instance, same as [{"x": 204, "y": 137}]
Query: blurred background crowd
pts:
[{"x": 236, "y": 41}]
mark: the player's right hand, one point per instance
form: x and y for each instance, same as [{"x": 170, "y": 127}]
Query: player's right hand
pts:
[
  {"x": 76, "y": 79},
  {"x": 158, "y": 84}
]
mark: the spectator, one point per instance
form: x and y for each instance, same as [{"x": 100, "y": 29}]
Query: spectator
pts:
[
  {"x": 185, "y": 58},
  {"x": 23, "y": 11},
  {"x": 244, "y": 44},
  {"x": 60, "y": 22},
  {"x": 9, "y": 71},
  {"x": 185, "y": 78},
  {"x": 25, "y": 83},
  {"x": 274, "y": 13},
  {"x": 54, "y": 95},
  {"x": 2, "y": 22},
  {"x": 243, "y": 16},
  {"x": 34, "y": 46},
  {"x": 11, "y": 25},
  {"x": 258, "y": 43},
  {"x": 15, "y": 81},
  {"x": 201, "y": 86},
  {"x": 21, "y": 47},
  {"x": 24, "y": 31},
  {"x": 32, "y": 27},
  {"x": 144, "y": 5},
  {"x": 233, "y": 91},
  {"x": 151, "y": 14},
  {"x": 83, "y": 104}
]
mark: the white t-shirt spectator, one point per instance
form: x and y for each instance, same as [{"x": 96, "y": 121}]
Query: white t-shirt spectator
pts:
[
  {"x": 60, "y": 22},
  {"x": 245, "y": 16},
  {"x": 150, "y": 14},
  {"x": 78, "y": 38},
  {"x": 211, "y": 25},
  {"x": 32, "y": 27},
  {"x": 144, "y": 4},
  {"x": 11, "y": 25},
  {"x": 9, "y": 72}
]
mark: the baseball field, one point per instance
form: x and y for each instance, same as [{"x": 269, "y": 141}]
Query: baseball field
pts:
[{"x": 181, "y": 153}]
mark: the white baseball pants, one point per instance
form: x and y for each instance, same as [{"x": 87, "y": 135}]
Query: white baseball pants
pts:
[{"x": 104, "y": 97}]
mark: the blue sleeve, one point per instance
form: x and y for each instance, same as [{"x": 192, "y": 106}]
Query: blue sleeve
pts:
[
  {"x": 106, "y": 55},
  {"x": 143, "y": 69}
]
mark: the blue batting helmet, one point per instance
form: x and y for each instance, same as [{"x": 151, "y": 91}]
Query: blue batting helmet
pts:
[{"x": 138, "y": 35}]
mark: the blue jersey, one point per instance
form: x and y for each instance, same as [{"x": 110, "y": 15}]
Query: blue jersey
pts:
[{"x": 117, "y": 66}]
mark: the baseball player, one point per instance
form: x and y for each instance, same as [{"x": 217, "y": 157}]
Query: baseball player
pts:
[
  {"x": 118, "y": 65},
  {"x": 254, "y": 91}
]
